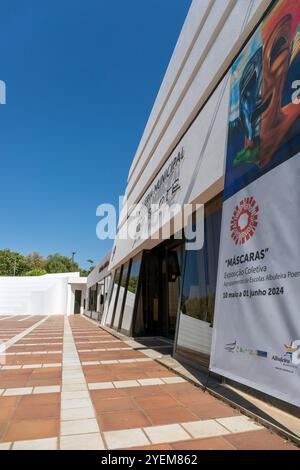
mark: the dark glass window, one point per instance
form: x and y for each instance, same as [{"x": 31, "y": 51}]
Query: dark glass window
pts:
[
  {"x": 122, "y": 293},
  {"x": 199, "y": 286},
  {"x": 93, "y": 298},
  {"x": 132, "y": 286},
  {"x": 113, "y": 298}
]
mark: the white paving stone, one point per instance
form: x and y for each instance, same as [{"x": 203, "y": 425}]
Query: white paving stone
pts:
[
  {"x": 74, "y": 387},
  {"x": 73, "y": 367},
  {"x": 18, "y": 391},
  {"x": 11, "y": 367},
  {"x": 100, "y": 385},
  {"x": 125, "y": 439},
  {"x": 237, "y": 424},
  {"x": 152, "y": 353},
  {"x": 74, "y": 381},
  {"x": 82, "y": 442},
  {"x": 54, "y": 364},
  {"x": 76, "y": 375},
  {"x": 5, "y": 445},
  {"x": 150, "y": 382},
  {"x": 77, "y": 413},
  {"x": 207, "y": 428},
  {"x": 37, "y": 444},
  {"x": 126, "y": 383},
  {"x": 166, "y": 433},
  {"x": 173, "y": 380},
  {"x": 112, "y": 361},
  {"x": 126, "y": 361},
  {"x": 32, "y": 366},
  {"x": 80, "y": 426},
  {"x": 47, "y": 389},
  {"x": 75, "y": 403},
  {"x": 77, "y": 394}
]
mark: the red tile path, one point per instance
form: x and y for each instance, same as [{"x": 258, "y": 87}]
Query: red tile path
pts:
[{"x": 132, "y": 401}]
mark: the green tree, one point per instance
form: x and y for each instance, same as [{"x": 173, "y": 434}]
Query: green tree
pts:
[
  {"x": 84, "y": 272},
  {"x": 35, "y": 261},
  {"x": 12, "y": 263},
  {"x": 36, "y": 272},
  {"x": 57, "y": 263}
]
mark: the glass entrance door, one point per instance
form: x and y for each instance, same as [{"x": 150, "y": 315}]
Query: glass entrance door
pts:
[
  {"x": 77, "y": 301},
  {"x": 101, "y": 301},
  {"x": 160, "y": 291},
  {"x": 174, "y": 263}
]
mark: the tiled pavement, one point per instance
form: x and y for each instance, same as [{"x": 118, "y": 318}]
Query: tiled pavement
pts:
[{"x": 67, "y": 384}]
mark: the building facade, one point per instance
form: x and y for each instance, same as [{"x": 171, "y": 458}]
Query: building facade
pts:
[{"x": 159, "y": 285}]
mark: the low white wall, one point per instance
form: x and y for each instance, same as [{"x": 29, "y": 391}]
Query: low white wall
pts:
[
  {"x": 40, "y": 295},
  {"x": 194, "y": 334}
]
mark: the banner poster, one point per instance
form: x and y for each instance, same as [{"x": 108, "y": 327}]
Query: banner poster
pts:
[{"x": 256, "y": 338}]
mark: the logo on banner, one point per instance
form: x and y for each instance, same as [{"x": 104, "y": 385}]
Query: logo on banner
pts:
[
  {"x": 293, "y": 352},
  {"x": 234, "y": 347},
  {"x": 230, "y": 347},
  {"x": 244, "y": 221}
]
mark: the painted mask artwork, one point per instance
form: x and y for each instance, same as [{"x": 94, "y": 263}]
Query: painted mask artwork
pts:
[{"x": 264, "y": 123}]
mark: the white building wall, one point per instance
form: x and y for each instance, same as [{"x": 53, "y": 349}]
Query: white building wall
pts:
[
  {"x": 212, "y": 35},
  {"x": 197, "y": 79},
  {"x": 39, "y": 295}
]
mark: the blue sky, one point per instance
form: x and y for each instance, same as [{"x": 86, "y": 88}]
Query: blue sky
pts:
[{"x": 81, "y": 78}]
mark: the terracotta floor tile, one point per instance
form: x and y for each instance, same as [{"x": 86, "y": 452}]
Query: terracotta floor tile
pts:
[
  {"x": 40, "y": 399},
  {"x": 149, "y": 391},
  {"x": 37, "y": 412},
  {"x": 122, "y": 420},
  {"x": 14, "y": 383},
  {"x": 48, "y": 373},
  {"x": 158, "y": 401},
  {"x": 99, "y": 372},
  {"x": 9, "y": 402},
  {"x": 213, "y": 443},
  {"x": 108, "y": 393},
  {"x": 126, "y": 366},
  {"x": 103, "y": 369},
  {"x": 194, "y": 397},
  {"x": 159, "y": 373},
  {"x": 114, "y": 404},
  {"x": 12, "y": 374},
  {"x": 128, "y": 375},
  {"x": 3, "y": 427},
  {"x": 259, "y": 440},
  {"x": 212, "y": 410},
  {"x": 182, "y": 388},
  {"x": 6, "y": 413},
  {"x": 175, "y": 414},
  {"x": 101, "y": 378},
  {"x": 31, "y": 429},
  {"x": 34, "y": 382}
]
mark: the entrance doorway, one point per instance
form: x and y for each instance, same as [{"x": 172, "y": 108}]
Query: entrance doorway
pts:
[
  {"x": 101, "y": 301},
  {"x": 160, "y": 290},
  {"x": 77, "y": 302}
]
